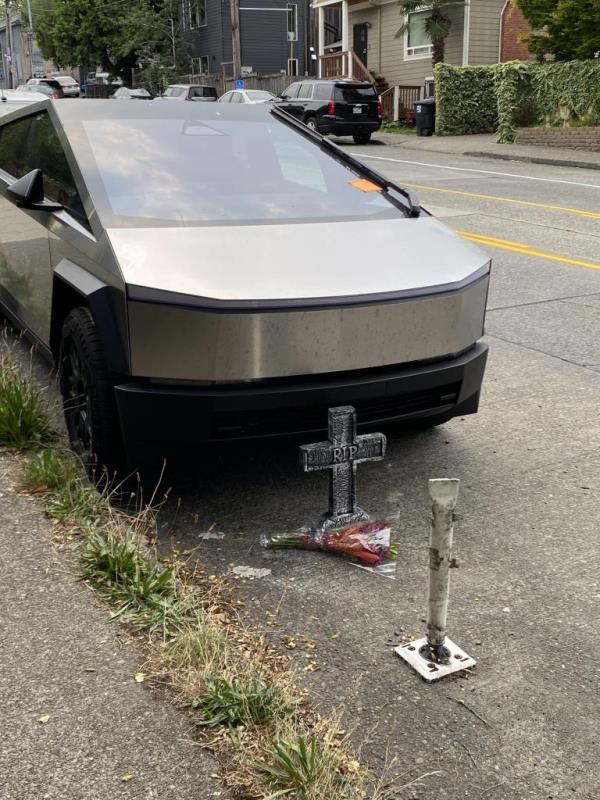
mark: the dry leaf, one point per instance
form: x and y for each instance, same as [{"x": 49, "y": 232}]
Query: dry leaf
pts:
[
  {"x": 335, "y": 636},
  {"x": 44, "y": 719},
  {"x": 139, "y": 677},
  {"x": 126, "y": 778}
]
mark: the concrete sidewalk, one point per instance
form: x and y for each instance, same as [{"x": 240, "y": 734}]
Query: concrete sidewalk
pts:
[
  {"x": 61, "y": 658},
  {"x": 485, "y": 146}
]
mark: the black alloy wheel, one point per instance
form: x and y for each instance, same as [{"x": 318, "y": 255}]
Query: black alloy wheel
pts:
[
  {"x": 362, "y": 138},
  {"x": 87, "y": 389}
]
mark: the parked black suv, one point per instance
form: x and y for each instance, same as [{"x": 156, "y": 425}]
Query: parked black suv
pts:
[{"x": 342, "y": 108}]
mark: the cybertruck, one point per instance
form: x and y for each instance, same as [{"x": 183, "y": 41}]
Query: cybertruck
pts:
[{"x": 207, "y": 272}]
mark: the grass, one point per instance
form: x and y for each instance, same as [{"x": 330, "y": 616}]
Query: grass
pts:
[
  {"x": 395, "y": 127},
  {"x": 269, "y": 741},
  {"x": 24, "y": 423},
  {"x": 293, "y": 766},
  {"x": 246, "y": 701}
]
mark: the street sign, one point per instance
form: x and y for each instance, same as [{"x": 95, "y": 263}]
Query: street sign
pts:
[{"x": 240, "y": 84}]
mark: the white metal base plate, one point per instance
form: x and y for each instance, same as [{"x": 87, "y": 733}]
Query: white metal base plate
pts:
[{"x": 429, "y": 670}]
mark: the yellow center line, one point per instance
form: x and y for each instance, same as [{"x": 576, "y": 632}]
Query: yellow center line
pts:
[
  {"x": 524, "y": 249},
  {"x": 579, "y": 211}
]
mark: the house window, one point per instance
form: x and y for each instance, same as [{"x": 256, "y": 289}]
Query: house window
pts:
[
  {"x": 193, "y": 14},
  {"x": 292, "y": 22},
  {"x": 292, "y": 66},
  {"x": 417, "y": 40},
  {"x": 201, "y": 65},
  {"x": 333, "y": 26}
]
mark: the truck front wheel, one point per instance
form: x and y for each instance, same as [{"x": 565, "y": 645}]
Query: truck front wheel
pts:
[{"x": 87, "y": 389}]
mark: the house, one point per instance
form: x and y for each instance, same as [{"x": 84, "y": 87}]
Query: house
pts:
[
  {"x": 358, "y": 39},
  {"x": 274, "y": 36}
]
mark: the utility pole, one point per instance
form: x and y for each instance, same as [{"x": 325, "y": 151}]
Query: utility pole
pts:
[
  {"x": 9, "y": 43},
  {"x": 235, "y": 38},
  {"x": 30, "y": 38}
]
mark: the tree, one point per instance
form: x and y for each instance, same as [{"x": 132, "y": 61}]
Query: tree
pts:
[
  {"x": 113, "y": 34},
  {"x": 565, "y": 29},
  {"x": 437, "y": 24}
]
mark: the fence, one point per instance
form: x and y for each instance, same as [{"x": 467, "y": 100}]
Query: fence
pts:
[
  {"x": 276, "y": 83},
  {"x": 405, "y": 97}
]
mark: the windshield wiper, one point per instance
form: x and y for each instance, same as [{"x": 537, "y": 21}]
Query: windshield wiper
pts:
[{"x": 409, "y": 202}]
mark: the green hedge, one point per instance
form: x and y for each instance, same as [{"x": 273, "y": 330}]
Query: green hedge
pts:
[
  {"x": 465, "y": 100},
  {"x": 517, "y": 94}
]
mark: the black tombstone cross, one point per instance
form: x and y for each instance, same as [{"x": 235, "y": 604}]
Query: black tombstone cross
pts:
[{"x": 341, "y": 454}]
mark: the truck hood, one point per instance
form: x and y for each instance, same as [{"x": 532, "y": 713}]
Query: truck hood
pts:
[{"x": 298, "y": 262}]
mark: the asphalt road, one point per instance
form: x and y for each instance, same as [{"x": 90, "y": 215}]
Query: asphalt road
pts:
[{"x": 525, "y": 599}]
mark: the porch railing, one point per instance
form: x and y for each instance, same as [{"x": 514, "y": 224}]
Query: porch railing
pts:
[{"x": 345, "y": 64}]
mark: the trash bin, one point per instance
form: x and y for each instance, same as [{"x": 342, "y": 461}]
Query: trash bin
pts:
[{"x": 425, "y": 117}]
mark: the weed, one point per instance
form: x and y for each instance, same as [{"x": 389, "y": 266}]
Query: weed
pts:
[
  {"x": 48, "y": 471},
  {"x": 23, "y": 421},
  {"x": 202, "y": 649},
  {"x": 235, "y": 701},
  {"x": 292, "y": 766}
]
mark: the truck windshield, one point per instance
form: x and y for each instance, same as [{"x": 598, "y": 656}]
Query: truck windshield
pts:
[{"x": 182, "y": 171}]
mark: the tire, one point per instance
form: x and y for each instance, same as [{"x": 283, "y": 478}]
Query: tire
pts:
[
  {"x": 361, "y": 138},
  {"x": 87, "y": 389},
  {"x": 311, "y": 122}
]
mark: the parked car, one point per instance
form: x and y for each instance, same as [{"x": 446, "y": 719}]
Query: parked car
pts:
[
  {"x": 189, "y": 91},
  {"x": 10, "y": 99},
  {"x": 125, "y": 93},
  {"x": 341, "y": 108},
  {"x": 54, "y": 84},
  {"x": 247, "y": 96},
  {"x": 106, "y": 78},
  {"x": 41, "y": 89},
  {"x": 152, "y": 251},
  {"x": 69, "y": 85}
]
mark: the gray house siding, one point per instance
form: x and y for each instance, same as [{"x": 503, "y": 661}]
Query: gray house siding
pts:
[
  {"x": 263, "y": 36},
  {"x": 484, "y": 39},
  {"x": 208, "y": 40}
]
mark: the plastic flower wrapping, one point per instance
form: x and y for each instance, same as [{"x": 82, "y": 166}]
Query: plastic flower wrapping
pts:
[{"x": 366, "y": 542}]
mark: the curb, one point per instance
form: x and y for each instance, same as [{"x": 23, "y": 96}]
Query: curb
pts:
[
  {"x": 407, "y": 144},
  {"x": 556, "y": 162}
]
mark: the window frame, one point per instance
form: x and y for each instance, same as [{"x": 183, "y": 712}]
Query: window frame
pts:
[
  {"x": 292, "y": 68},
  {"x": 292, "y": 29},
  {"x": 425, "y": 51},
  {"x": 68, "y": 216},
  {"x": 190, "y": 14}
]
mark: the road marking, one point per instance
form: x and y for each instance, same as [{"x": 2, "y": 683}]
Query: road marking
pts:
[
  {"x": 481, "y": 171},
  {"x": 524, "y": 249},
  {"x": 579, "y": 211}
]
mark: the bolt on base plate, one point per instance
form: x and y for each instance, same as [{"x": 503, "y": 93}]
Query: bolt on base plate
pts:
[{"x": 433, "y": 670}]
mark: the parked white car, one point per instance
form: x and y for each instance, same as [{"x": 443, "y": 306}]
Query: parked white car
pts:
[
  {"x": 247, "y": 96},
  {"x": 190, "y": 91},
  {"x": 69, "y": 85}
]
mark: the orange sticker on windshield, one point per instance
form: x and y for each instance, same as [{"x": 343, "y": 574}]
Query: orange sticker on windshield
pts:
[{"x": 365, "y": 185}]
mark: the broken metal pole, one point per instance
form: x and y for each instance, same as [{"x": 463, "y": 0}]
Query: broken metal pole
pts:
[
  {"x": 436, "y": 656},
  {"x": 444, "y": 495}
]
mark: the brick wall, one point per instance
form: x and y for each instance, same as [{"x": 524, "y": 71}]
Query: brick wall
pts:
[
  {"x": 513, "y": 25},
  {"x": 585, "y": 138}
]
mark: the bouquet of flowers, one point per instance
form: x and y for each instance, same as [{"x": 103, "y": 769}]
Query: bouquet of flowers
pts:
[{"x": 368, "y": 542}]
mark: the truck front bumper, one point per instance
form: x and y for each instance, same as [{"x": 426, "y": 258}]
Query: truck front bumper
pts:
[{"x": 159, "y": 419}]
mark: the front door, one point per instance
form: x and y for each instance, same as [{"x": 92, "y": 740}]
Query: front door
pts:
[{"x": 361, "y": 41}]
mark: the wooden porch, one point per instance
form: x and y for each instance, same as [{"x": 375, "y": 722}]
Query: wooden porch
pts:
[
  {"x": 399, "y": 103},
  {"x": 345, "y": 64}
]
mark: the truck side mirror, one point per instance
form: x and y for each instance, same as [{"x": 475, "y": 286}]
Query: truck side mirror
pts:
[{"x": 28, "y": 192}]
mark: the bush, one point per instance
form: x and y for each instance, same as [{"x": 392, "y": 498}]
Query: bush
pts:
[
  {"x": 465, "y": 100},
  {"x": 516, "y": 94}
]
